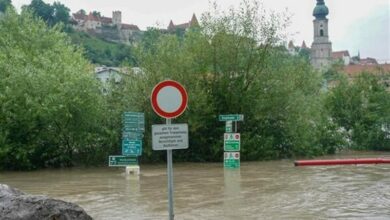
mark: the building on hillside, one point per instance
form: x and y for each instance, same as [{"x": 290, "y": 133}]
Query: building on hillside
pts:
[
  {"x": 111, "y": 29},
  {"x": 184, "y": 26},
  {"x": 105, "y": 74},
  {"x": 342, "y": 56}
]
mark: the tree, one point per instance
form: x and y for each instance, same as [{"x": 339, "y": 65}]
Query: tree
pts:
[
  {"x": 4, "y": 4},
  {"x": 51, "y": 14},
  {"x": 50, "y": 110},
  {"x": 362, "y": 108},
  {"x": 232, "y": 64},
  {"x": 61, "y": 13}
]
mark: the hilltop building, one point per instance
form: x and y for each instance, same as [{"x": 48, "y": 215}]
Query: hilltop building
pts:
[
  {"x": 111, "y": 29},
  {"x": 183, "y": 27}
]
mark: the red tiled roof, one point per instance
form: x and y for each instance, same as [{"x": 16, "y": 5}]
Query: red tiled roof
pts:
[
  {"x": 340, "y": 54},
  {"x": 354, "y": 70},
  {"x": 368, "y": 61},
  {"x": 130, "y": 27}
]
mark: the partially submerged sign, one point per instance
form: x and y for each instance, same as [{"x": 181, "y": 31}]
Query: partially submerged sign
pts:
[
  {"x": 231, "y": 142},
  {"x": 122, "y": 161},
  {"x": 131, "y": 147},
  {"x": 170, "y": 136},
  {"x": 231, "y": 160}
]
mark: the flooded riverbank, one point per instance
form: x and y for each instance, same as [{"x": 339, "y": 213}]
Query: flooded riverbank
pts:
[{"x": 258, "y": 190}]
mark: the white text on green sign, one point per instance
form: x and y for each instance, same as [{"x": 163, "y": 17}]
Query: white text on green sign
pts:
[
  {"x": 122, "y": 161},
  {"x": 232, "y": 141},
  {"x": 131, "y": 147},
  {"x": 231, "y": 160},
  {"x": 236, "y": 117}
]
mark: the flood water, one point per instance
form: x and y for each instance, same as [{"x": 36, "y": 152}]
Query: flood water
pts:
[{"x": 258, "y": 190}]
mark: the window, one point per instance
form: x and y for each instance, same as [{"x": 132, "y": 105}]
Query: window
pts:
[{"x": 321, "y": 33}]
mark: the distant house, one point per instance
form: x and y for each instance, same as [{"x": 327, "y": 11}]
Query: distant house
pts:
[
  {"x": 342, "y": 56},
  {"x": 105, "y": 74}
]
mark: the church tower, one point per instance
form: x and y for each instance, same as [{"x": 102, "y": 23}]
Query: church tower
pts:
[{"x": 321, "y": 48}]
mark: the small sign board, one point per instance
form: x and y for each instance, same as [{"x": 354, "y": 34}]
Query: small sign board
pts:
[
  {"x": 131, "y": 147},
  {"x": 231, "y": 160},
  {"x": 122, "y": 161},
  {"x": 232, "y": 117},
  {"x": 169, "y": 136},
  {"x": 231, "y": 142}
]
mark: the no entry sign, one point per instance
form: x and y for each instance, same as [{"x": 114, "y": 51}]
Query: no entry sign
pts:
[{"x": 169, "y": 99}]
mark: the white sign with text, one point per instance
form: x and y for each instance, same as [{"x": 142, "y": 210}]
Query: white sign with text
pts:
[{"x": 170, "y": 136}]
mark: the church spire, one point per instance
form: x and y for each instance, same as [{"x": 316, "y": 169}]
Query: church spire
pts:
[{"x": 320, "y": 11}]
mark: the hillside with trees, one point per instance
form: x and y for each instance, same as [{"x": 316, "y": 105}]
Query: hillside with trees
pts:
[{"x": 97, "y": 50}]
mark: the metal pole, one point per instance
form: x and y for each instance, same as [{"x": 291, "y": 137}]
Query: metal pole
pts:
[
  {"x": 235, "y": 126},
  {"x": 170, "y": 179}
]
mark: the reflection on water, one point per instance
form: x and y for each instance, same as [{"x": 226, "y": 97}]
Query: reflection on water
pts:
[{"x": 259, "y": 190}]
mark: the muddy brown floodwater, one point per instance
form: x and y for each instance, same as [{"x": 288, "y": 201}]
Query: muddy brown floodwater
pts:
[{"x": 259, "y": 190}]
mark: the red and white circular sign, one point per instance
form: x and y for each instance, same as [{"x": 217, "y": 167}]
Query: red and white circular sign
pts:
[{"x": 169, "y": 99}]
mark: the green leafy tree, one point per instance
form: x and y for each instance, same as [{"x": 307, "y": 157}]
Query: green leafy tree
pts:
[
  {"x": 50, "y": 110},
  {"x": 61, "y": 13},
  {"x": 51, "y": 14},
  {"x": 232, "y": 64},
  {"x": 362, "y": 108}
]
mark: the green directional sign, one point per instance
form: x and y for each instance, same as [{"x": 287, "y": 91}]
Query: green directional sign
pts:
[
  {"x": 231, "y": 142},
  {"x": 236, "y": 117},
  {"x": 122, "y": 161},
  {"x": 231, "y": 160},
  {"x": 131, "y": 147}
]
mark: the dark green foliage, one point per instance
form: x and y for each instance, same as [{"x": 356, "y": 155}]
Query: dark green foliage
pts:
[
  {"x": 51, "y": 14},
  {"x": 102, "y": 52},
  {"x": 4, "y": 4}
]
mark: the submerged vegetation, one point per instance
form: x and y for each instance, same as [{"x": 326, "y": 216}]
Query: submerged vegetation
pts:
[{"x": 54, "y": 114}]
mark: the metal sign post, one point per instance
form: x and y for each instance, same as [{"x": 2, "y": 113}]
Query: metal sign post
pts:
[
  {"x": 169, "y": 100},
  {"x": 170, "y": 179}
]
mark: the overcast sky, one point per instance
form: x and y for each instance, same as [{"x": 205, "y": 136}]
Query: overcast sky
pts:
[{"x": 354, "y": 25}]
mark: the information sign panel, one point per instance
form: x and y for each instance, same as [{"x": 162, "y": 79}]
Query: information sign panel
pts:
[
  {"x": 231, "y": 160},
  {"x": 131, "y": 147},
  {"x": 231, "y": 142},
  {"x": 170, "y": 136}
]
